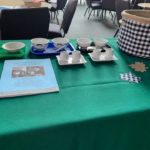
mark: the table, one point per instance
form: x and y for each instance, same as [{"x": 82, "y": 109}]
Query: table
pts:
[
  {"x": 94, "y": 110},
  {"x": 144, "y": 5},
  {"x": 21, "y": 3}
]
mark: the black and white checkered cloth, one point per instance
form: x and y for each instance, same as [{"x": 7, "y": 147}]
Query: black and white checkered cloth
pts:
[
  {"x": 134, "y": 38},
  {"x": 130, "y": 77}
]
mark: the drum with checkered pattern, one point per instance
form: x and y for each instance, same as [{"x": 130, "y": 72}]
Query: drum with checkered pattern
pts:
[{"x": 134, "y": 33}]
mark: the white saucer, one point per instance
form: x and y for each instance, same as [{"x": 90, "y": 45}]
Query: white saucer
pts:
[
  {"x": 70, "y": 62},
  {"x": 102, "y": 58}
]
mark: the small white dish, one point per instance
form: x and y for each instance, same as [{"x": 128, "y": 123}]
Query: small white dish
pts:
[
  {"x": 40, "y": 43},
  {"x": 70, "y": 61},
  {"x": 13, "y": 47},
  {"x": 102, "y": 58},
  {"x": 59, "y": 42}
]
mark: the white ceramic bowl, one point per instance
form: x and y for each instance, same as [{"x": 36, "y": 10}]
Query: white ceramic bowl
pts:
[
  {"x": 84, "y": 42},
  {"x": 59, "y": 42},
  {"x": 40, "y": 43},
  {"x": 13, "y": 47}
]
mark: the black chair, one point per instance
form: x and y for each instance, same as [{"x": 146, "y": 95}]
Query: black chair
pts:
[
  {"x": 56, "y": 30},
  {"x": 120, "y": 6},
  {"x": 60, "y": 5},
  {"x": 93, "y": 5},
  {"x": 108, "y": 5},
  {"x": 24, "y": 23}
]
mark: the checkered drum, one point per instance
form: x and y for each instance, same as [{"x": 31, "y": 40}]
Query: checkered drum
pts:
[{"x": 134, "y": 33}]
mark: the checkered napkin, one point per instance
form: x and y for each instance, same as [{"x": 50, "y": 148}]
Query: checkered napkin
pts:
[{"x": 130, "y": 77}]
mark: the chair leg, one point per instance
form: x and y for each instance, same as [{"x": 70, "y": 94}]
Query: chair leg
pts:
[
  {"x": 98, "y": 12},
  {"x": 90, "y": 14},
  {"x": 89, "y": 10},
  {"x": 116, "y": 33},
  {"x": 94, "y": 13},
  {"x": 51, "y": 15},
  {"x": 114, "y": 18},
  {"x": 86, "y": 11},
  {"x": 57, "y": 18},
  {"x": 102, "y": 15},
  {"x": 111, "y": 14},
  {"x": 57, "y": 12},
  {"x": 105, "y": 13}
]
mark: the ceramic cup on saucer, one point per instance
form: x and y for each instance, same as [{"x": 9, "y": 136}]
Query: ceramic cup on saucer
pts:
[
  {"x": 64, "y": 56},
  {"x": 109, "y": 54},
  {"x": 76, "y": 56},
  {"x": 96, "y": 53}
]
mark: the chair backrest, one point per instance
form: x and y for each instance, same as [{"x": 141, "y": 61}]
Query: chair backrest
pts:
[
  {"x": 25, "y": 23},
  {"x": 108, "y": 5},
  {"x": 68, "y": 15},
  {"x": 61, "y": 4},
  {"x": 120, "y": 6}
]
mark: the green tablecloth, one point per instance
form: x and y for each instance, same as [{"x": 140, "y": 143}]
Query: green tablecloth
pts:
[{"x": 94, "y": 110}]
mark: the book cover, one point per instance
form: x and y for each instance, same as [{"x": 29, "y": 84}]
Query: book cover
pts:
[{"x": 27, "y": 77}]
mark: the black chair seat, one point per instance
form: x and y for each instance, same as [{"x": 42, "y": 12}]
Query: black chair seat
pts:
[{"x": 96, "y": 6}]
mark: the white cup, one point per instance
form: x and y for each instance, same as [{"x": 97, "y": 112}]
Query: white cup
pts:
[
  {"x": 64, "y": 56},
  {"x": 109, "y": 54},
  {"x": 100, "y": 43},
  {"x": 96, "y": 53},
  {"x": 76, "y": 56},
  {"x": 84, "y": 42}
]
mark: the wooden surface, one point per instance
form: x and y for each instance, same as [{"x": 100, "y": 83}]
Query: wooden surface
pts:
[{"x": 21, "y": 3}]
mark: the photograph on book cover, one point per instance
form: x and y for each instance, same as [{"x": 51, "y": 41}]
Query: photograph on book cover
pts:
[{"x": 26, "y": 71}]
